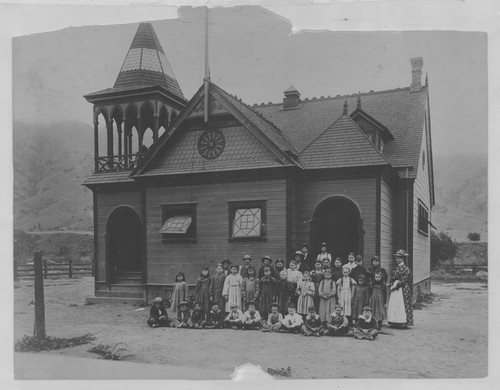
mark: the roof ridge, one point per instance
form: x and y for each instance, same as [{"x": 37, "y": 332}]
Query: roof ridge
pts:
[{"x": 329, "y": 97}]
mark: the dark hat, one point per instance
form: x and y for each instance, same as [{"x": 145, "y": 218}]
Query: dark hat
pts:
[
  {"x": 280, "y": 261},
  {"x": 182, "y": 303},
  {"x": 247, "y": 257},
  {"x": 401, "y": 253},
  {"x": 304, "y": 245},
  {"x": 299, "y": 253},
  {"x": 367, "y": 308},
  {"x": 267, "y": 257},
  {"x": 226, "y": 261},
  {"x": 359, "y": 258},
  {"x": 312, "y": 307}
]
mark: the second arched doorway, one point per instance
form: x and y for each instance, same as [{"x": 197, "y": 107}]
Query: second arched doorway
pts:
[
  {"x": 337, "y": 221},
  {"x": 123, "y": 242}
]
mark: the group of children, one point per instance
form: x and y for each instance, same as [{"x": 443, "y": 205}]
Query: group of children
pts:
[{"x": 325, "y": 301}]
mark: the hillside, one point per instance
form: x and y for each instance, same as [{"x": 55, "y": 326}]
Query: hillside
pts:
[
  {"x": 461, "y": 185},
  {"x": 50, "y": 164}
]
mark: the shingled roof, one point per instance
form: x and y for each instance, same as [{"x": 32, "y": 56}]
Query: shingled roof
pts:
[
  {"x": 343, "y": 144},
  {"x": 402, "y": 112},
  {"x": 145, "y": 65}
]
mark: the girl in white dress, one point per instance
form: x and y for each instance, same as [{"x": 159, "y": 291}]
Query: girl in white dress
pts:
[
  {"x": 345, "y": 291},
  {"x": 233, "y": 288}
]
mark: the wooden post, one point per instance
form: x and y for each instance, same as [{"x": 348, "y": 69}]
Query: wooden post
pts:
[
  {"x": 15, "y": 269},
  {"x": 70, "y": 269},
  {"x": 45, "y": 271},
  {"x": 39, "y": 331}
]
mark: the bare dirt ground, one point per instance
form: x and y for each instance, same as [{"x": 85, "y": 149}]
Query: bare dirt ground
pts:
[{"x": 449, "y": 339}]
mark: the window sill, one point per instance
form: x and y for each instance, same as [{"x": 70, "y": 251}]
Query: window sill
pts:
[
  {"x": 237, "y": 239},
  {"x": 177, "y": 240},
  {"x": 423, "y": 233}
]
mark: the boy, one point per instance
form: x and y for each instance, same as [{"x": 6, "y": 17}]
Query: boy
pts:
[
  {"x": 359, "y": 270},
  {"x": 266, "y": 262},
  {"x": 158, "y": 314},
  {"x": 252, "y": 318},
  {"x": 367, "y": 326},
  {"x": 183, "y": 318},
  {"x": 292, "y": 322},
  {"x": 225, "y": 266},
  {"x": 215, "y": 318},
  {"x": 198, "y": 316},
  {"x": 337, "y": 323},
  {"x": 312, "y": 323},
  {"x": 301, "y": 265},
  {"x": 235, "y": 318},
  {"x": 274, "y": 319},
  {"x": 243, "y": 271}
]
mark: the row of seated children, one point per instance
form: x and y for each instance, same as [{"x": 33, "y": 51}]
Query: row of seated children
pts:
[{"x": 366, "y": 326}]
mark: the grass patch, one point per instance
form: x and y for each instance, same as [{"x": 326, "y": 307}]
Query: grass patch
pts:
[
  {"x": 424, "y": 299},
  {"x": 37, "y": 344},
  {"x": 108, "y": 352},
  {"x": 284, "y": 372}
]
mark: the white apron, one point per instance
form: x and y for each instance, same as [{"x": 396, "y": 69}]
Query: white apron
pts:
[{"x": 396, "y": 312}]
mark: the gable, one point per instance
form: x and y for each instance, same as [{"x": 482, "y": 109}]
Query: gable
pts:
[
  {"x": 214, "y": 107},
  {"x": 241, "y": 151},
  {"x": 342, "y": 144}
]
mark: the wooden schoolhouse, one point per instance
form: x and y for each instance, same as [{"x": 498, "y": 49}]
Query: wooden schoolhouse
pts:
[{"x": 179, "y": 183}]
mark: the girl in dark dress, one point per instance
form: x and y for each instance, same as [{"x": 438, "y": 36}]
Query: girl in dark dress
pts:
[
  {"x": 203, "y": 290},
  {"x": 361, "y": 297},
  {"x": 337, "y": 269},
  {"x": 266, "y": 292},
  {"x": 375, "y": 261},
  {"x": 217, "y": 286},
  {"x": 285, "y": 291},
  {"x": 280, "y": 266},
  {"x": 317, "y": 276},
  {"x": 378, "y": 299}
]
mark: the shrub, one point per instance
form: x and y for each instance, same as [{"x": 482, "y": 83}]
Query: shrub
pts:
[
  {"x": 37, "y": 344},
  {"x": 474, "y": 236},
  {"x": 442, "y": 248}
]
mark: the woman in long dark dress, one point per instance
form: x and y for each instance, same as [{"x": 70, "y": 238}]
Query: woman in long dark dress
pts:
[{"x": 400, "y": 308}]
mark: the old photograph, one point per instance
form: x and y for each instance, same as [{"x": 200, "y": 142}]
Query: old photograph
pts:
[{"x": 208, "y": 187}]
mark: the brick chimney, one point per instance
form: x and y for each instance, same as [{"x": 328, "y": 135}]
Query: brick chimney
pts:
[
  {"x": 416, "y": 74},
  {"x": 291, "y": 99}
]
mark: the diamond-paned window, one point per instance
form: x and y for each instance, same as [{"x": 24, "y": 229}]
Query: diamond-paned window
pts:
[
  {"x": 247, "y": 223},
  {"x": 178, "y": 224},
  {"x": 247, "y": 220}
]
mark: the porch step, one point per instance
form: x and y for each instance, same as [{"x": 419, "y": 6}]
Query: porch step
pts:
[
  {"x": 127, "y": 280},
  {"x": 126, "y": 287},
  {"x": 113, "y": 300},
  {"x": 119, "y": 294}
]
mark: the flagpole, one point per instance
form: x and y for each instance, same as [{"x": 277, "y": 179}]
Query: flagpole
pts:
[{"x": 206, "y": 80}]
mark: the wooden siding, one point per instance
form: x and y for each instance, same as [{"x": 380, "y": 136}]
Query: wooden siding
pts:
[
  {"x": 360, "y": 189},
  {"x": 165, "y": 259},
  {"x": 386, "y": 222},
  {"x": 106, "y": 203},
  {"x": 421, "y": 242}
]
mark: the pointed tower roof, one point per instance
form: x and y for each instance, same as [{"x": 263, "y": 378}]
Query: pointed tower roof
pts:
[{"x": 146, "y": 64}]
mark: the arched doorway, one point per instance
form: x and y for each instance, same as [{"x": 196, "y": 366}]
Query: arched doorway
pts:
[
  {"x": 123, "y": 242},
  {"x": 337, "y": 222}
]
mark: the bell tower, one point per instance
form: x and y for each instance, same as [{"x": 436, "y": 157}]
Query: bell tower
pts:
[{"x": 145, "y": 99}]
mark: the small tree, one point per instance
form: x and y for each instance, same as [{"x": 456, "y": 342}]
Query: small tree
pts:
[
  {"x": 442, "y": 248},
  {"x": 474, "y": 236}
]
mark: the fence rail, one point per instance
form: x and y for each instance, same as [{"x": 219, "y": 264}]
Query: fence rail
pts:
[
  {"x": 67, "y": 269},
  {"x": 473, "y": 268}
]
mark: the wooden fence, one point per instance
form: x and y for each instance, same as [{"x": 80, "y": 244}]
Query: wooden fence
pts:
[{"x": 58, "y": 270}]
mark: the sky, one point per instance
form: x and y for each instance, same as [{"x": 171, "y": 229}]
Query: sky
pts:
[{"x": 256, "y": 54}]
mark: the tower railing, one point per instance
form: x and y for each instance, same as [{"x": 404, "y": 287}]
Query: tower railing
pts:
[{"x": 122, "y": 162}]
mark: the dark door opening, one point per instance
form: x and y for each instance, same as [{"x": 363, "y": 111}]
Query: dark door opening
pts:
[
  {"x": 337, "y": 222},
  {"x": 123, "y": 242}
]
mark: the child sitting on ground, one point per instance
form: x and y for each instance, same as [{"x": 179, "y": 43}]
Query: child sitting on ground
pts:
[
  {"x": 274, "y": 319},
  {"x": 367, "y": 326},
  {"x": 183, "y": 318},
  {"x": 312, "y": 323},
  {"x": 158, "y": 314},
  {"x": 215, "y": 318},
  {"x": 252, "y": 318},
  {"x": 198, "y": 316},
  {"x": 292, "y": 323},
  {"x": 337, "y": 323},
  {"x": 235, "y": 317}
]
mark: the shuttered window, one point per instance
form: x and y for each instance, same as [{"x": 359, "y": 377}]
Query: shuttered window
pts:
[{"x": 178, "y": 222}]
